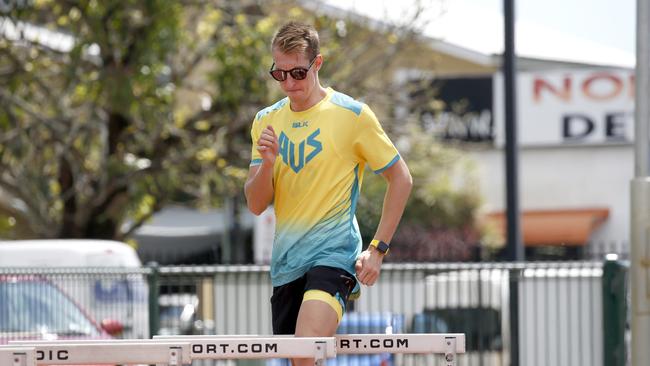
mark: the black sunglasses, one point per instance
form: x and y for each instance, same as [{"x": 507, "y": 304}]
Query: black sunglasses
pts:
[{"x": 297, "y": 73}]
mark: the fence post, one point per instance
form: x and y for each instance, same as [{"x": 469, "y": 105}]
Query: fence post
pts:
[
  {"x": 614, "y": 313},
  {"x": 515, "y": 276},
  {"x": 154, "y": 290}
]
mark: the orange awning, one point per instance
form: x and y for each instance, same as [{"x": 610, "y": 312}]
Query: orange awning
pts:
[{"x": 554, "y": 227}]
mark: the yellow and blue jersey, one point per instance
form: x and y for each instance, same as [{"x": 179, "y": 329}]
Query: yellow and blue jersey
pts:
[{"x": 317, "y": 177}]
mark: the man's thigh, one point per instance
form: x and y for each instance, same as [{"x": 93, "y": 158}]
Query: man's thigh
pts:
[
  {"x": 326, "y": 293},
  {"x": 316, "y": 319}
]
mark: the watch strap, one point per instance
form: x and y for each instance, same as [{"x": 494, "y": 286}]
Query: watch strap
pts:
[{"x": 380, "y": 246}]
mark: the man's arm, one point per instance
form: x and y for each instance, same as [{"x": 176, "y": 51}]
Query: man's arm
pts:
[
  {"x": 399, "y": 182},
  {"x": 259, "y": 188},
  {"x": 259, "y": 184}
]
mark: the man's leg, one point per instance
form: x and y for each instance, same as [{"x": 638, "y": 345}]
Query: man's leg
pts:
[
  {"x": 326, "y": 292},
  {"x": 316, "y": 318}
]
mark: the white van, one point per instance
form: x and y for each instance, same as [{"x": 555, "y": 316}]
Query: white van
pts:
[
  {"x": 120, "y": 295},
  {"x": 67, "y": 253}
]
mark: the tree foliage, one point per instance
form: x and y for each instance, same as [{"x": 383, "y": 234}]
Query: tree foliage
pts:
[
  {"x": 99, "y": 120},
  {"x": 109, "y": 110}
]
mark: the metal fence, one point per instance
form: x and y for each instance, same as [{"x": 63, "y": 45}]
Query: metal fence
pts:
[
  {"x": 597, "y": 250},
  {"x": 565, "y": 313},
  {"x": 452, "y": 251}
]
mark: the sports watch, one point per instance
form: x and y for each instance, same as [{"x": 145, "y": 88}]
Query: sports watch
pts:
[{"x": 381, "y": 246}]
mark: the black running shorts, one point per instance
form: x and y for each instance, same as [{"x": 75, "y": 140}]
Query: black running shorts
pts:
[{"x": 329, "y": 284}]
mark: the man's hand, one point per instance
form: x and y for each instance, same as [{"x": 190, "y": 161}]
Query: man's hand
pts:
[
  {"x": 267, "y": 145},
  {"x": 368, "y": 266}
]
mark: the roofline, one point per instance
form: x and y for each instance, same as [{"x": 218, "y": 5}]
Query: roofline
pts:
[
  {"x": 567, "y": 63},
  {"x": 461, "y": 52}
]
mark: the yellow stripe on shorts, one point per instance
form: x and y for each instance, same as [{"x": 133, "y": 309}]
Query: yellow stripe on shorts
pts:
[{"x": 327, "y": 298}]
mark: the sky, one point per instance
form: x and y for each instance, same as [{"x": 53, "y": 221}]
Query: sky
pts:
[
  {"x": 599, "y": 31},
  {"x": 610, "y": 22}
]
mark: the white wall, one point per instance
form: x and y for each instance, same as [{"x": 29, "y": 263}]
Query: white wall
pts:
[{"x": 564, "y": 178}]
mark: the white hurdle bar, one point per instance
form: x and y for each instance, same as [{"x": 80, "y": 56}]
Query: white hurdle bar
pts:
[
  {"x": 449, "y": 345},
  {"x": 181, "y": 350},
  {"x": 78, "y": 352},
  {"x": 81, "y": 351},
  {"x": 252, "y": 347},
  {"x": 17, "y": 356}
]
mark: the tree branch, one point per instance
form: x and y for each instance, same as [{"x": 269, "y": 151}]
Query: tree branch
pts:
[
  {"x": 179, "y": 76},
  {"x": 37, "y": 220},
  {"x": 120, "y": 183},
  {"x": 23, "y": 105},
  {"x": 41, "y": 84},
  {"x": 159, "y": 203},
  {"x": 66, "y": 181}
]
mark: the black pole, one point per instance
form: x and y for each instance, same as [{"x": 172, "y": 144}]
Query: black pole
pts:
[
  {"x": 614, "y": 283},
  {"x": 154, "y": 305},
  {"x": 514, "y": 248},
  {"x": 513, "y": 245}
]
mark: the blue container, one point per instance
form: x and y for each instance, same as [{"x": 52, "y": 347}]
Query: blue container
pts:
[
  {"x": 366, "y": 323},
  {"x": 353, "y": 360},
  {"x": 419, "y": 323},
  {"x": 353, "y": 323},
  {"x": 341, "y": 360},
  {"x": 344, "y": 325},
  {"x": 365, "y": 360},
  {"x": 375, "y": 360},
  {"x": 374, "y": 323},
  {"x": 365, "y": 326},
  {"x": 398, "y": 323},
  {"x": 377, "y": 323},
  {"x": 278, "y": 362}
]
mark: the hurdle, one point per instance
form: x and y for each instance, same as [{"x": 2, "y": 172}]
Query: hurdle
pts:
[
  {"x": 76, "y": 352},
  {"x": 181, "y": 350},
  {"x": 447, "y": 344}
]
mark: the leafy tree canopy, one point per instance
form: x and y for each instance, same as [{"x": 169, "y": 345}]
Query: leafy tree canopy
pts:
[{"x": 109, "y": 110}]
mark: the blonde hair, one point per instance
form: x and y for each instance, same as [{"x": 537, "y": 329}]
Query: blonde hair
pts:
[{"x": 297, "y": 37}]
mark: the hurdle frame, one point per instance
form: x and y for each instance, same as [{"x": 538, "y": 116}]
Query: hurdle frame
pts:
[
  {"x": 76, "y": 352},
  {"x": 181, "y": 350},
  {"x": 143, "y": 351}
]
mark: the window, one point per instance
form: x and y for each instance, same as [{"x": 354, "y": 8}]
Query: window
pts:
[{"x": 38, "y": 307}]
